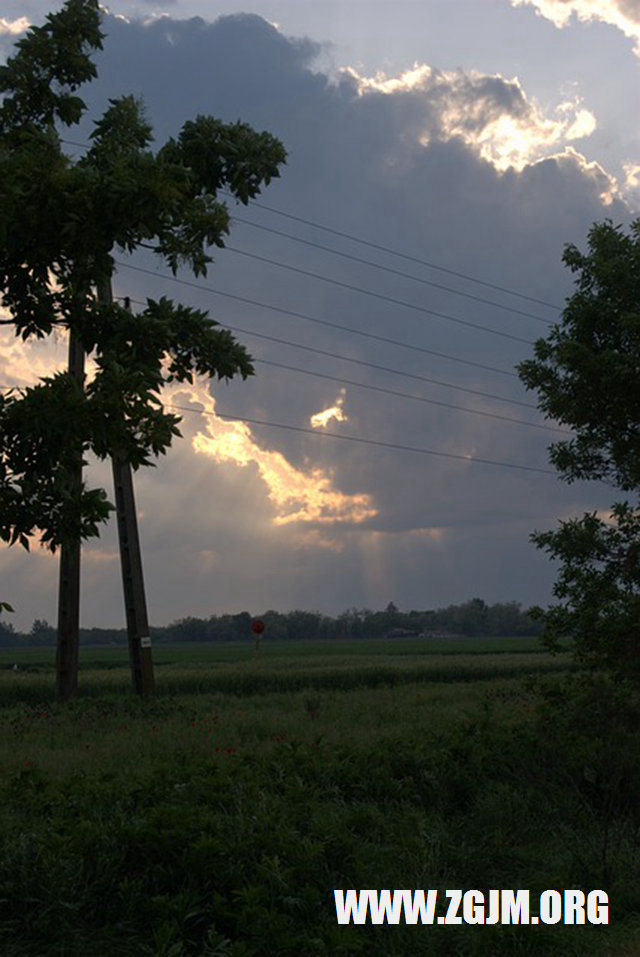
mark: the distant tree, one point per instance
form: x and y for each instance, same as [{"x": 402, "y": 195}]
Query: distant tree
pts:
[
  {"x": 189, "y": 629},
  {"x": 8, "y": 634},
  {"x": 508, "y": 618},
  {"x": 354, "y": 623},
  {"x": 302, "y": 624},
  {"x": 275, "y": 625},
  {"x": 586, "y": 374},
  {"x": 471, "y": 617},
  {"x": 42, "y": 633},
  {"x": 241, "y": 624}
]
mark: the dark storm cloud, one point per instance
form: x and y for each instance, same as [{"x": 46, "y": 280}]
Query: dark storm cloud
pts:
[
  {"x": 401, "y": 168},
  {"x": 357, "y": 162}
]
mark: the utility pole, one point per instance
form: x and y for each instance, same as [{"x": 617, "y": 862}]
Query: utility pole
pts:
[
  {"x": 131, "y": 563},
  {"x": 69, "y": 585}
]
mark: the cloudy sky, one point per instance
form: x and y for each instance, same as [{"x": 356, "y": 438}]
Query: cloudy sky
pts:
[{"x": 471, "y": 139}]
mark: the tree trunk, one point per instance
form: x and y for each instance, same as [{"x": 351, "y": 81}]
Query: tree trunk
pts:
[
  {"x": 131, "y": 565},
  {"x": 69, "y": 587}
]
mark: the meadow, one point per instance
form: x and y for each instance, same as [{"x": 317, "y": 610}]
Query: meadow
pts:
[{"x": 217, "y": 817}]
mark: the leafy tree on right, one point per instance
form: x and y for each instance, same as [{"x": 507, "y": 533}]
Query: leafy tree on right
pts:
[{"x": 587, "y": 375}]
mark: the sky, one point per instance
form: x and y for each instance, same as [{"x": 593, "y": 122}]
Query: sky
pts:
[{"x": 473, "y": 139}]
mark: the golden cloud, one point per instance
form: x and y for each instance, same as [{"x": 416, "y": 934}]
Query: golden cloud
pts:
[
  {"x": 24, "y": 363},
  {"x": 380, "y": 83},
  {"x": 513, "y": 140},
  {"x": 490, "y": 113},
  {"x": 335, "y": 412},
  {"x": 623, "y": 14},
  {"x": 606, "y": 183},
  {"x": 295, "y": 494},
  {"x": 631, "y": 185},
  {"x": 13, "y": 28}
]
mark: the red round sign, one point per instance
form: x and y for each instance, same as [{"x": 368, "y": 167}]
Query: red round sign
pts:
[{"x": 257, "y": 627}]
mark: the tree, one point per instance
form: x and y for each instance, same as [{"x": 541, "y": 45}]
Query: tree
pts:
[
  {"x": 42, "y": 633},
  {"x": 60, "y": 222},
  {"x": 586, "y": 375},
  {"x": 472, "y": 617}
]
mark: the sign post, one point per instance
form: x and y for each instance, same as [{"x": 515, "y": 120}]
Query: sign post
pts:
[{"x": 257, "y": 627}]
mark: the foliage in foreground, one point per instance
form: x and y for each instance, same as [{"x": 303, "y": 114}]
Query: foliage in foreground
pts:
[
  {"x": 599, "y": 585},
  {"x": 586, "y": 376},
  {"x": 61, "y": 222},
  {"x": 238, "y": 854}
]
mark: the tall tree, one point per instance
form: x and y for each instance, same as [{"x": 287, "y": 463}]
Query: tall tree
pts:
[
  {"x": 60, "y": 223},
  {"x": 586, "y": 375}
]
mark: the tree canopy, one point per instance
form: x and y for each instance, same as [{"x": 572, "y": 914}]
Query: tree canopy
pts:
[
  {"x": 586, "y": 375},
  {"x": 61, "y": 221}
]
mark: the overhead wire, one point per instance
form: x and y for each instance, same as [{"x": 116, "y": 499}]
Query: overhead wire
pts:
[
  {"x": 334, "y": 355},
  {"x": 368, "y": 292},
  {"x": 415, "y": 398},
  {"x": 341, "y": 380},
  {"x": 379, "y": 295},
  {"x": 364, "y": 441},
  {"x": 378, "y": 246},
  {"x": 349, "y": 438},
  {"x": 389, "y": 269},
  {"x": 412, "y": 306},
  {"x": 401, "y": 255},
  {"x": 322, "y": 322}
]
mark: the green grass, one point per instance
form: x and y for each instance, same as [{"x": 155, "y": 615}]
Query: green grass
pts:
[
  {"x": 238, "y": 650},
  {"x": 237, "y": 668},
  {"x": 217, "y": 818}
]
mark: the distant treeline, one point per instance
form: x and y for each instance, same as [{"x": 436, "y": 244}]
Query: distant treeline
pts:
[{"x": 471, "y": 618}]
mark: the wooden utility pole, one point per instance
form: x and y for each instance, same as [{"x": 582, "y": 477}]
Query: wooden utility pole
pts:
[
  {"x": 131, "y": 564},
  {"x": 69, "y": 587}
]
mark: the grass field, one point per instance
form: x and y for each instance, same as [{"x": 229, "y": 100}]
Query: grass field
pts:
[{"x": 218, "y": 817}]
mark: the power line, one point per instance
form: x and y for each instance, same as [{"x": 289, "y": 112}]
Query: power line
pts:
[
  {"x": 375, "y": 442},
  {"x": 395, "y": 272},
  {"x": 408, "y": 395},
  {"x": 403, "y": 395},
  {"x": 374, "y": 388},
  {"x": 394, "y": 252},
  {"x": 321, "y": 322},
  {"x": 354, "y": 438},
  {"x": 380, "y": 248},
  {"x": 334, "y": 355},
  {"x": 379, "y": 295},
  {"x": 379, "y": 368}
]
